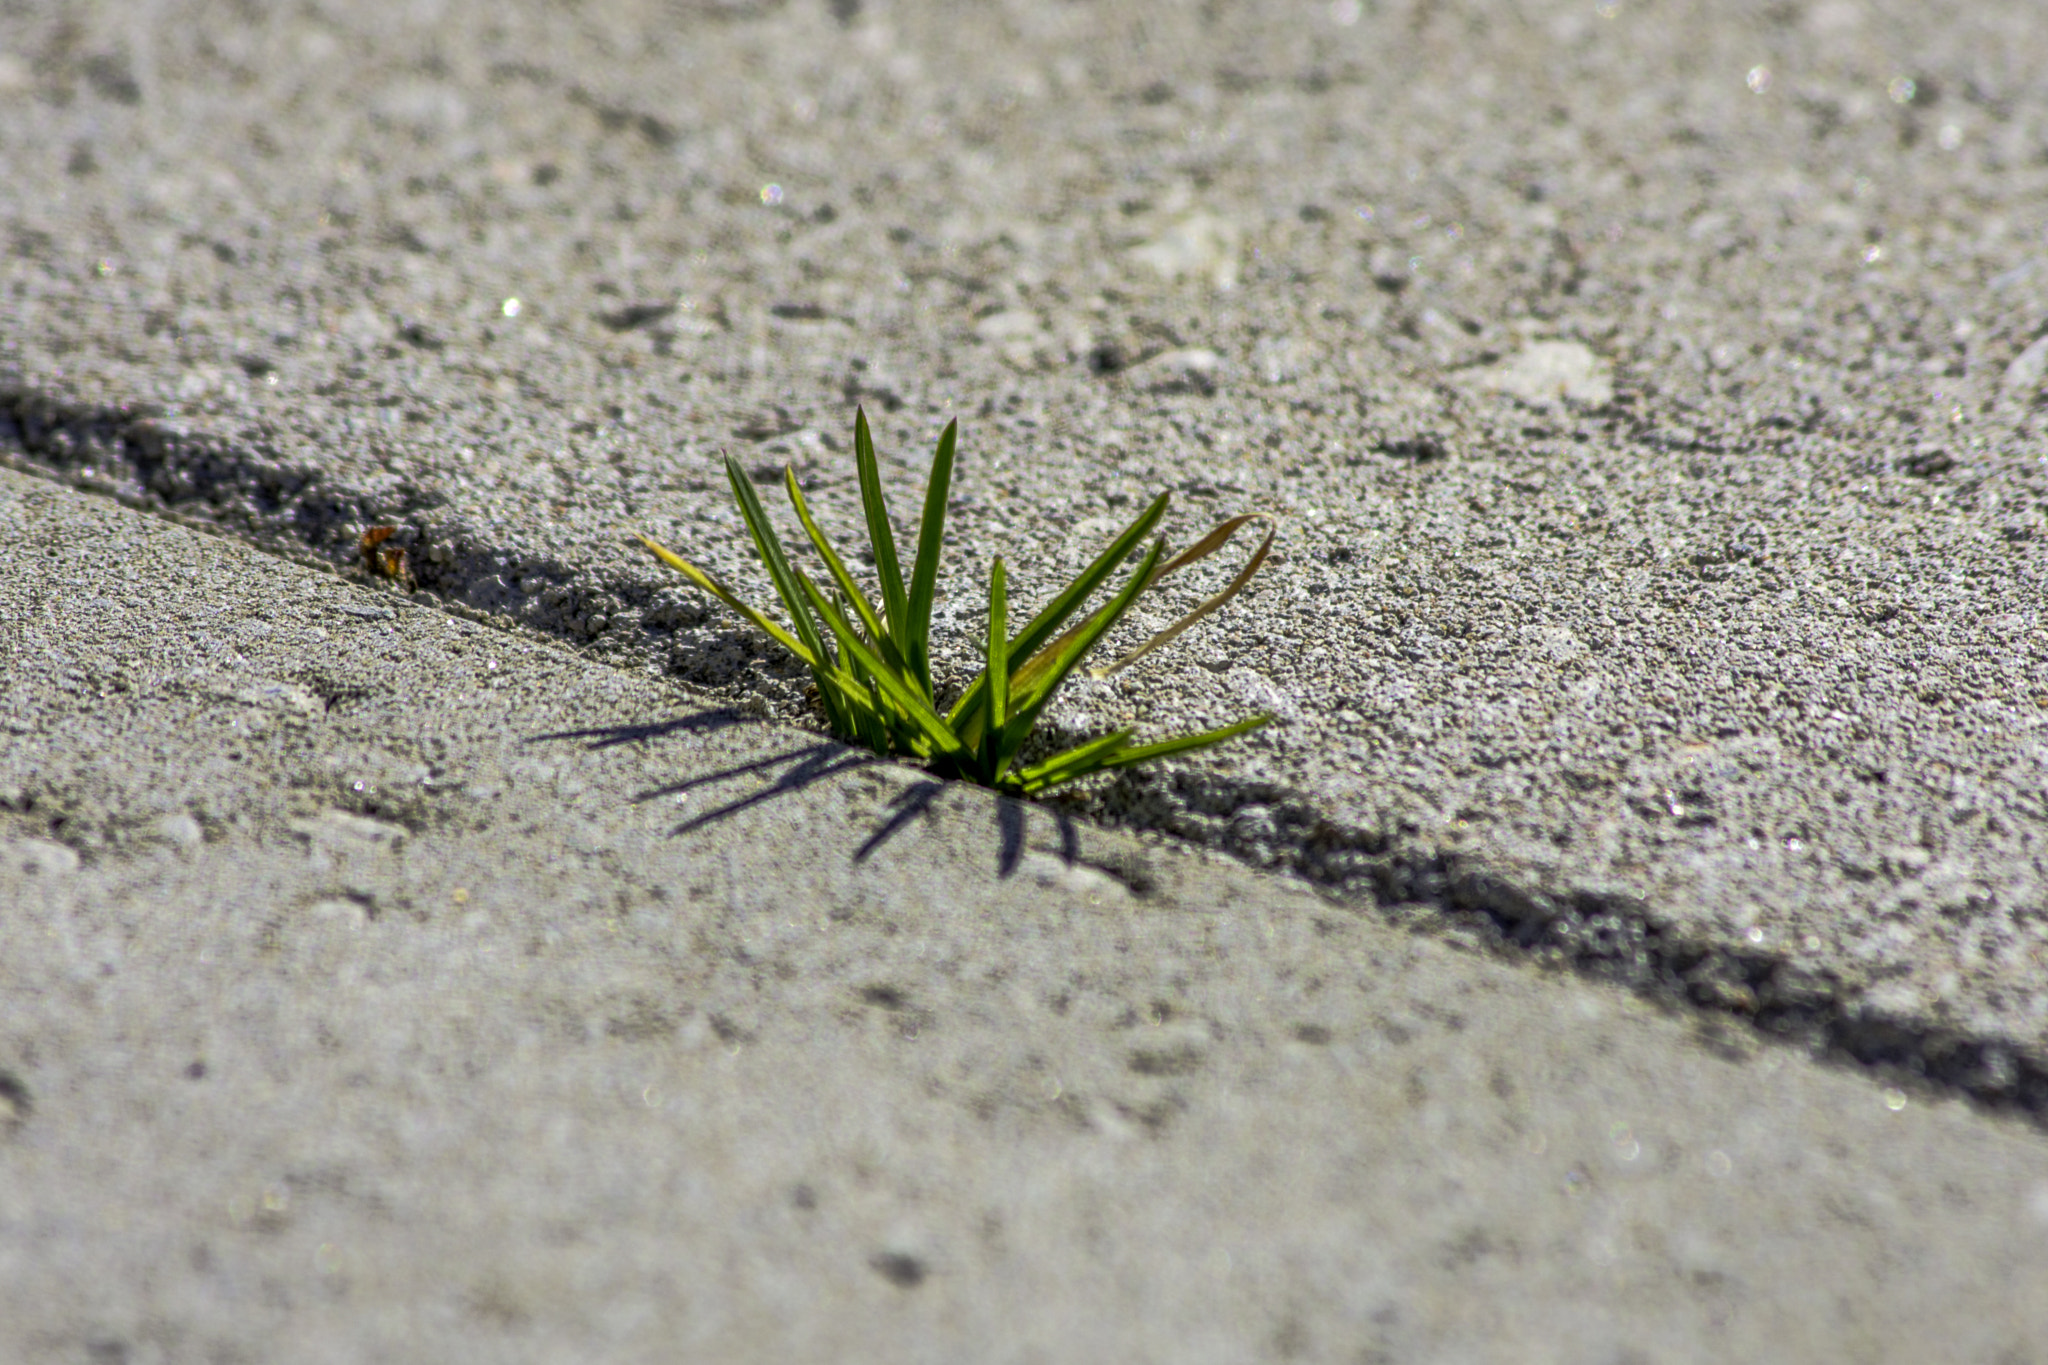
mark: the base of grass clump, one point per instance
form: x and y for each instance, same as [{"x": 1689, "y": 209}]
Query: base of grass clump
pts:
[{"x": 873, "y": 668}]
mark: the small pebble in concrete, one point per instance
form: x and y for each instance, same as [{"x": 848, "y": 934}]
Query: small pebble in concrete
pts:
[{"x": 1546, "y": 373}]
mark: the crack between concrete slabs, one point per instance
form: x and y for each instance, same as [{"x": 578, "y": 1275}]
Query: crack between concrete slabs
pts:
[{"x": 168, "y": 467}]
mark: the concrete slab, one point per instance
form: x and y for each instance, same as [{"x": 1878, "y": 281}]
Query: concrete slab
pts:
[{"x": 1654, "y": 403}]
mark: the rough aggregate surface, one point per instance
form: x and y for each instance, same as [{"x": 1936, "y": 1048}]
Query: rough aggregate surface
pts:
[{"x": 1655, "y": 399}]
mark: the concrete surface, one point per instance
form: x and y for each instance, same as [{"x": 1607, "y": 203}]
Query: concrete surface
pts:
[
  {"x": 1654, "y": 396},
  {"x": 383, "y": 985},
  {"x": 1653, "y": 392}
]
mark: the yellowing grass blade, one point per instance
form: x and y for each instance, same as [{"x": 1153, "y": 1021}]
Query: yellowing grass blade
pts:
[
  {"x": 1201, "y": 549},
  {"x": 719, "y": 591}
]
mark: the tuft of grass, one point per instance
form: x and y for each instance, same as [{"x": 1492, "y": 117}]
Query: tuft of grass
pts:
[{"x": 873, "y": 667}]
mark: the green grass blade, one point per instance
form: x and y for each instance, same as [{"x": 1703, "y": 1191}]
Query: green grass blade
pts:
[
  {"x": 869, "y": 621},
  {"x": 719, "y": 590},
  {"x": 876, "y": 723},
  {"x": 1081, "y": 758},
  {"x": 873, "y": 669},
  {"x": 924, "y": 574},
  {"x": 881, "y": 535},
  {"x": 896, "y": 732},
  {"x": 998, "y": 670},
  {"x": 769, "y": 546},
  {"x": 868, "y": 724},
  {"x": 1031, "y": 702},
  {"x": 899, "y": 692},
  {"x": 1059, "y": 769},
  {"x": 1029, "y": 644},
  {"x": 770, "y": 549},
  {"x": 852, "y": 684}
]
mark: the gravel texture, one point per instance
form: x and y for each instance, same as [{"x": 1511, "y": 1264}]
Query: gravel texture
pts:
[{"x": 1654, "y": 397}]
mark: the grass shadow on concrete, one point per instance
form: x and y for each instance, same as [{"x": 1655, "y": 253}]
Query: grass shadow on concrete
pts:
[
  {"x": 810, "y": 764},
  {"x": 1011, "y": 815},
  {"x": 607, "y": 736}
]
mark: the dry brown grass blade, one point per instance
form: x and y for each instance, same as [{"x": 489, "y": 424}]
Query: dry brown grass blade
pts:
[{"x": 1200, "y": 550}]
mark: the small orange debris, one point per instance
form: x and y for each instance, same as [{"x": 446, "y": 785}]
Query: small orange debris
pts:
[{"x": 386, "y": 562}]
